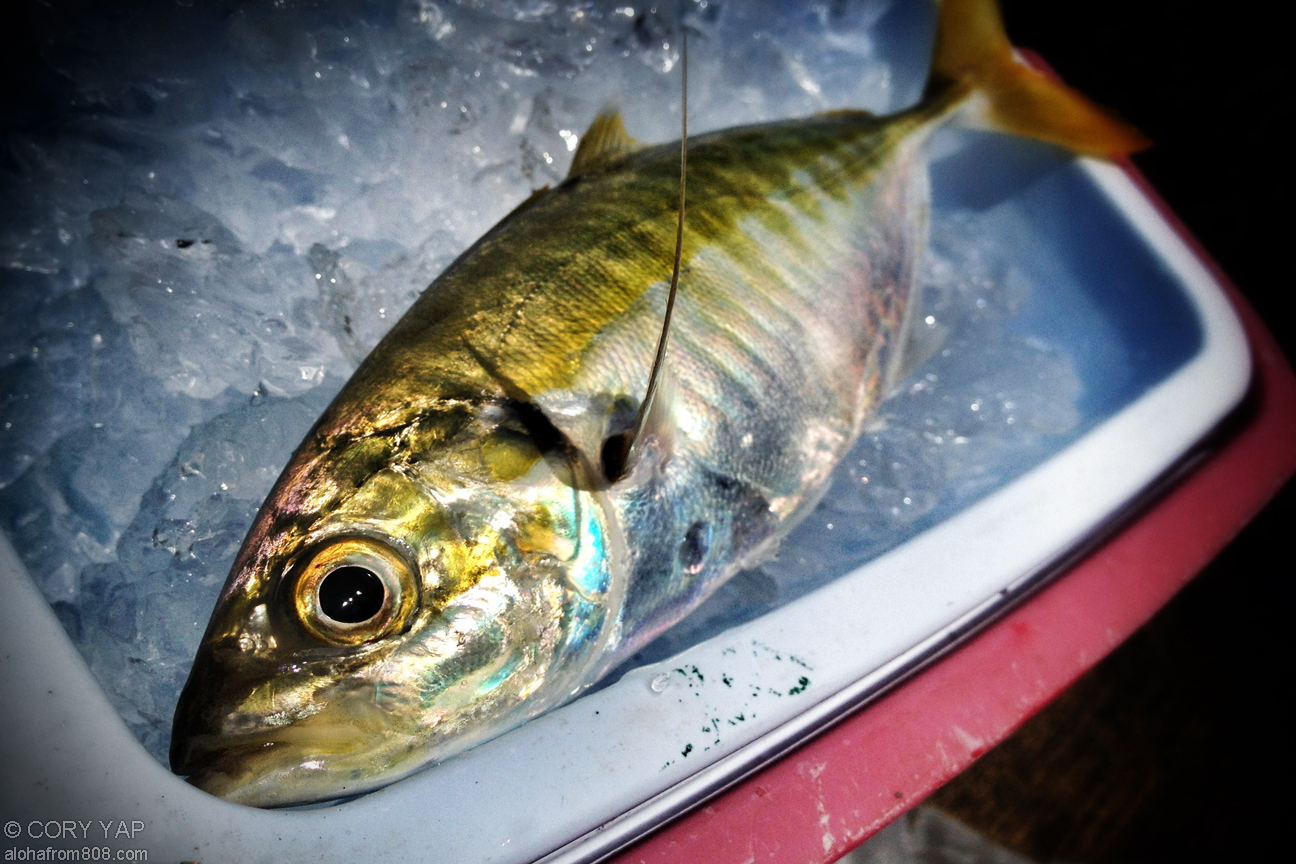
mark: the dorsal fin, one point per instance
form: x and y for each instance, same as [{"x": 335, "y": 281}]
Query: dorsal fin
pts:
[{"x": 604, "y": 142}]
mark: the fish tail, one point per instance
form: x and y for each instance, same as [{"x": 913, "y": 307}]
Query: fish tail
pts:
[{"x": 972, "y": 53}]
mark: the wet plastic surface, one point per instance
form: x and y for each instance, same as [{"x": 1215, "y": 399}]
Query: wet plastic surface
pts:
[{"x": 851, "y": 782}]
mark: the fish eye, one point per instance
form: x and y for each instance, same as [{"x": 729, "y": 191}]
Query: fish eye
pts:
[
  {"x": 351, "y": 595},
  {"x": 354, "y": 590}
]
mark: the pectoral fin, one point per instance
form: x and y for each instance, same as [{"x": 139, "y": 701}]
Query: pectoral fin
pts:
[{"x": 920, "y": 342}]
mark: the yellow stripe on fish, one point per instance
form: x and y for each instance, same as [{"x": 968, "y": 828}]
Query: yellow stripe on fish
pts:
[{"x": 447, "y": 553}]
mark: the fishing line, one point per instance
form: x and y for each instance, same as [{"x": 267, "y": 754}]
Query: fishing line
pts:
[{"x": 654, "y": 376}]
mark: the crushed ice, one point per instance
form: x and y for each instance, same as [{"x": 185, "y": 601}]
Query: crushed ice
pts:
[{"x": 232, "y": 202}]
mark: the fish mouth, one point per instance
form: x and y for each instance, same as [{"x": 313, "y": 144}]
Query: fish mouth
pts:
[
  {"x": 224, "y": 767},
  {"x": 224, "y": 744},
  {"x": 234, "y": 756},
  {"x": 221, "y": 769},
  {"x": 271, "y": 770}
]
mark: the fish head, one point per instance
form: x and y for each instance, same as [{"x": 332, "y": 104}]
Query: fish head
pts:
[{"x": 400, "y": 598}]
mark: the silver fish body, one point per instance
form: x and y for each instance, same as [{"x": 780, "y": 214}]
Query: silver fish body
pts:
[
  {"x": 463, "y": 463},
  {"x": 450, "y": 552}
]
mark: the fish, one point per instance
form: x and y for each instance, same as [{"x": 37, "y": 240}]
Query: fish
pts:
[{"x": 491, "y": 514}]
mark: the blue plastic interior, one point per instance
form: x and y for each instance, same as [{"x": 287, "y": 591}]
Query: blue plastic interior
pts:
[{"x": 1103, "y": 298}]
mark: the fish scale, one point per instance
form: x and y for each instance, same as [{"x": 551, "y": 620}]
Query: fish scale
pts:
[{"x": 458, "y": 484}]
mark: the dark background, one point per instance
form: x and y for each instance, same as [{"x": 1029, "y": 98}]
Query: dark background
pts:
[{"x": 1172, "y": 749}]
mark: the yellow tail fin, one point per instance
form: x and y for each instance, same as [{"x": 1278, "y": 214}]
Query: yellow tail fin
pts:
[{"x": 972, "y": 50}]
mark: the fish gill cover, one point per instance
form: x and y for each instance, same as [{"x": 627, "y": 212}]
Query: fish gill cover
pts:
[{"x": 220, "y": 208}]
